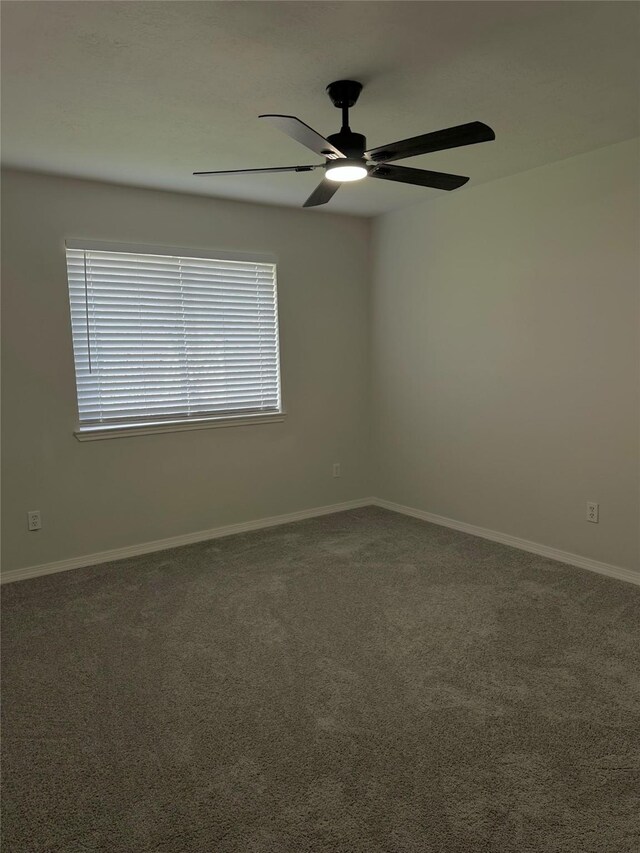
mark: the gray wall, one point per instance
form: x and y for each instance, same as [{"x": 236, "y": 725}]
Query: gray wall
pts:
[
  {"x": 495, "y": 365},
  {"x": 107, "y": 494},
  {"x": 505, "y": 355}
]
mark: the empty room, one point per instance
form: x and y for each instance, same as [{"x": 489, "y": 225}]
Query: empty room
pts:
[{"x": 320, "y": 427}]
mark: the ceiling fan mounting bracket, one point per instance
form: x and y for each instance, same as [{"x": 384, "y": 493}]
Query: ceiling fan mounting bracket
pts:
[{"x": 344, "y": 93}]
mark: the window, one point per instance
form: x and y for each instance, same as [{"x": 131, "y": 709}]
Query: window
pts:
[{"x": 164, "y": 338}]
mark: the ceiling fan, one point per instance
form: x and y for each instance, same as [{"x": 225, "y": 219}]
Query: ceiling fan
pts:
[{"x": 348, "y": 159}]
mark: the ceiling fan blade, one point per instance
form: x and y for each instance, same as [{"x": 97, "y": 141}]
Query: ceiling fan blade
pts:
[
  {"x": 439, "y": 140},
  {"x": 305, "y": 135},
  {"x": 420, "y": 177},
  {"x": 257, "y": 171},
  {"x": 322, "y": 193}
]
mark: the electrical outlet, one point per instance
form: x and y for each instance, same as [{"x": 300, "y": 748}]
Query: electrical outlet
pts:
[
  {"x": 593, "y": 512},
  {"x": 336, "y": 469},
  {"x": 34, "y": 520}
]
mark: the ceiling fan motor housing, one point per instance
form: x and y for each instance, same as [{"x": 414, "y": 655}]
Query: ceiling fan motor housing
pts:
[{"x": 351, "y": 144}]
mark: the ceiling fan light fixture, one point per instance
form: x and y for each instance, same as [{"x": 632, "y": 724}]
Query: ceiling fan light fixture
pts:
[{"x": 346, "y": 170}]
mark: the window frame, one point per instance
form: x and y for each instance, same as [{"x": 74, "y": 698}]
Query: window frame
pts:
[{"x": 92, "y": 432}]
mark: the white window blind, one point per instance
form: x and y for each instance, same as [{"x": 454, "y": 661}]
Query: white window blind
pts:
[{"x": 162, "y": 338}]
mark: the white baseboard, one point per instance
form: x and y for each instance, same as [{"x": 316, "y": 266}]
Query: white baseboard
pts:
[
  {"x": 217, "y": 532},
  {"x": 175, "y": 541},
  {"x": 610, "y": 571}
]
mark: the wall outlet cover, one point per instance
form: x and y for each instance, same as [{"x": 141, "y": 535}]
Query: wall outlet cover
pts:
[{"x": 593, "y": 512}]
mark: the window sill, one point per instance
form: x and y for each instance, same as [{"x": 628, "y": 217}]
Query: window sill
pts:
[{"x": 96, "y": 433}]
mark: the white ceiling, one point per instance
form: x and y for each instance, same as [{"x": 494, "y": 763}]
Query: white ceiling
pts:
[{"x": 146, "y": 92}]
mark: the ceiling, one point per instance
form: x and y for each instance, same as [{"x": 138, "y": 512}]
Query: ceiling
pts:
[{"x": 144, "y": 93}]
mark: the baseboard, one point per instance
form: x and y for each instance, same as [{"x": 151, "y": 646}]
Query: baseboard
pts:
[
  {"x": 175, "y": 541},
  {"x": 610, "y": 571}
]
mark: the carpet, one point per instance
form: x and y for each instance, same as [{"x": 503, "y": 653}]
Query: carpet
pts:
[{"x": 357, "y": 683}]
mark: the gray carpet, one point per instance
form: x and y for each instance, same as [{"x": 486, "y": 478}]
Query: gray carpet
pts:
[{"x": 359, "y": 682}]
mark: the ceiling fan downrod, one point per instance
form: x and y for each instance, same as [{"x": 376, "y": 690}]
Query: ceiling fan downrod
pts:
[{"x": 344, "y": 95}]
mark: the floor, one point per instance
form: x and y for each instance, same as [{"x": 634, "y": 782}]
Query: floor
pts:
[{"x": 358, "y": 682}]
